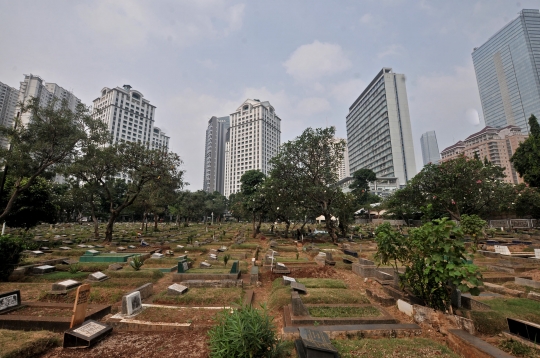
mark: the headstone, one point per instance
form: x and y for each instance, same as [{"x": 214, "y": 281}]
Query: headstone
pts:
[
  {"x": 131, "y": 303},
  {"x": 81, "y": 246},
  {"x": 204, "y": 264},
  {"x": 132, "y": 247},
  {"x": 65, "y": 285},
  {"x": 222, "y": 249},
  {"x": 176, "y": 289},
  {"x": 314, "y": 344},
  {"x": 213, "y": 251},
  {"x": 524, "y": 329},
  {"x": 44, "y": 248},
  {"x": 537, "y": 253},
  {"x": 98, "y": 276},
  {"x": 80, "y": 306},
  {"x": 40, "y": 270},
  {"x": 182, "y": 266},
  {"x": 90, "y": 246},
  {"x": 180, "y": 246},
  {"x": 121, "y": 248},
  {"x": 65, "y": 248},
  {"x": 298, "y": 287},
  {"x": 10, "y": 301},
  {"x": 115, "y": 267},
  {"x": 455, "y": 298},
  {"x": 212, "y": 257},
  {"x": 405, "y": 307},
  {"x": 350, "y": 253},
  {"x": 157, "y": 256},
  {"x": 298, "y": 308},
  {"x": 287, "y": 280},
  {"x": 36, "y": 252},
  {"x": 91, "y": 253},
  {"x": 86, "y": 335},
  {"x": 235, "y": 267}
]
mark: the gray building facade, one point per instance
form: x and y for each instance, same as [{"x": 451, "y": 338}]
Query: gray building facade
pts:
[
  {"x": 214, "y": 154},
  {"x": 507, "y": 70},
  {"x": 8, "y": 107},
  {"x": 379, "y": 135},
  {"x": 430, "y": 148}
]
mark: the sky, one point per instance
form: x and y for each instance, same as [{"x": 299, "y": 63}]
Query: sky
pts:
[{"x": 311, "y": 59}]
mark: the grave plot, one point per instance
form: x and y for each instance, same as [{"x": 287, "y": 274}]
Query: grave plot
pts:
[{"x": 25, "y": 344}]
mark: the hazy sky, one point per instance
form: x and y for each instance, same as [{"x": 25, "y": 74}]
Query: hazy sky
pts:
[{"x": 310, "y": 59}]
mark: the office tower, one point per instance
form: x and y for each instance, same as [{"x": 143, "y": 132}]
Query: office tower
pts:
[
  {"x": 494, "y": 144},
  {"x": 507, "y": 70},
  {"x": 252, "y": 140},
  {"x": 129, "y": 117},
  {"x": 430, "y": 148},
  {"x": 214, "y": 154},
  {"x": 36, "y": 87},
  {"x": 379, "y": 129},
  {"x": 8, "y": 107},
  {"x": 343, "y": 169}
]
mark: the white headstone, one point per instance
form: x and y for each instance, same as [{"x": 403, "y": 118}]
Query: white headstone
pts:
[
  {"x": 537, "y": 253},
  {"x": 65, "y": 248},
  {"x": 281, "y": 265},
  {"x": 133, "y": 303},
  {"x": 176, "y": 289},
  {"x": 97, "y": 276},
  {"x": 405, "y": 307},
  {"x": 81, "y": 245},
  {"x": 505, "y": 251},
  {"x": 157, "y": 256},
  {"x": 121, "y": 248},
  {"x": 93, "y": 251},
  {"x": 290, "y": 279},
  {"x": 37, "y": 252}
]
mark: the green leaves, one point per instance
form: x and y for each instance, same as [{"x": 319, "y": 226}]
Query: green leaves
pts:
[
  {"x": 136, "y": 262},
  {"x": 526, "y": 159},
  {"x": 10, "y": 254}
]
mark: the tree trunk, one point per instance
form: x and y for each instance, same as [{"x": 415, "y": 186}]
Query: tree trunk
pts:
[
  {"x": 94, "y": 218},
  {"x": 254, "y": 229},
  {"x": 330, "y": 227},
  {"x": 156, "y": 218},
  {"x": 287, "y": 226},
  {"x": 143, "y": 220},
  {"x": 110, "y": 226}
]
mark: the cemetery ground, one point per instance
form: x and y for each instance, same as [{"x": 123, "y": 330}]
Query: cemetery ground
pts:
[{"x": 350, "y": 297}]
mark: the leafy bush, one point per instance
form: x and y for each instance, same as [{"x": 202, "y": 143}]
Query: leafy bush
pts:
[
  {"x": 226, "y": 259},
  {"x": 74, "y": 268},
  {"x": 244, "y": 333},
  {"x": 434, "y": 263},
  {"x": 474, "y": 226},
  {"x": 136, "y": 263},
  {"x": 10, "y": 254}
]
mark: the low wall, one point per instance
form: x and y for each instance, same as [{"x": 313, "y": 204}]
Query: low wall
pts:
[
  {"x": 213, "y": 283},
  {"x": 180, "y": 277}
]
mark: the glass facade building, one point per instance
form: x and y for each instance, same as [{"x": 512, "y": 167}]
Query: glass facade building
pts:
[
  {"x": 430, "y": 148},
  {"x": 507, "y": 70},
  {"x": 214, "y": 154},
  {"x": 379, "y": 132}
]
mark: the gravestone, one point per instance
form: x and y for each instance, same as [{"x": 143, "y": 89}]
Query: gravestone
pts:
[
  {"x": 43, "y": 269},
  {"x": 91, "y": 253},
  {"x": 537, "y": 253},
  {"x": 455, "y": 298},
  {"x": 350, "y": 253},
  {"x": 64, "y": 248},
  {"x": 298, "y": 308},
  {"x": 314, "y": 344},
  {"x": 204, "y": 264},
  {"x": 63, "y": 286},
  {"x": 222, "y": 249},
  {"x": 157, "y": 256},
  {"x": 36, "y": 252},
  {"x": 524, "y": 329},
  {"x": 235, "y": 267},
  {"x": 86, "y": 335},
  {"x": 121, "y": 248},
  {"x": 81, "y": 246},
  {"x": 176, "y": 289},
  {"x": 80, "y": 306},
  {"x": 10, "y": 301},
  {"x": 98, "y": 276},
  {"x": 182, "y": 266},
  {"x": 115, "y": 267},
  {"x": 132, "y": 247},
  {"x": 287, "y": 280},
  {"x": 180, "y": 246},
  {"x": 132, "y": 303},
  {"x": 298, "y": 287}
]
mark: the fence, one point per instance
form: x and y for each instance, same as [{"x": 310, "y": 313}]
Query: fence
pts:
[{"x": 514, "y": 223}]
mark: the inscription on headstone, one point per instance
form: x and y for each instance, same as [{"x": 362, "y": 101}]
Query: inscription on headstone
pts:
[
  {"x": 314, "y": 343},
  {"x": 85, "y": 335},
  {"x": 10, "y": 301},
  {"x": 131, "y": 303}
]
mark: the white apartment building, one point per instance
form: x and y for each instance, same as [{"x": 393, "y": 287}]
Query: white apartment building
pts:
[
  {"x": 252, "y": 140},
  {"x": 8, "y": 107},
  {"x": 36, "y": 87},
  {"x": 343, "y": 169},
  {"x": 129, "y": 117},
  {"x": 379, "y": 129}
]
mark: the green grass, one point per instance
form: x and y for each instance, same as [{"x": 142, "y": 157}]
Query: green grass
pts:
[
  {"x": 57, "y": 276},
  {"x": 518, "y": 349},
  {"x": 202, "y": 296},
  {"x": 130, "y": 273},
  {"x": 494, "y": 321},
  {"x": 333, "y": 296},
  {"x": 244, "y": 246},
  {"x": 392, "y": 347},
  {"x": 322, "y": 283},
  {"x": 21, "y": 344},
  {"x": 290, "y": 259},
  {"x": 331, "y": 312}
]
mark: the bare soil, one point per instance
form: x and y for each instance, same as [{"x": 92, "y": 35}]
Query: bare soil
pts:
[{"x": 177, "y": 315}]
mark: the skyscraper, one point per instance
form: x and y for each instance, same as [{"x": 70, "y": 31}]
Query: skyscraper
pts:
[
  {"x": 252, "y": 140},
  {"x": 507, "y": 70},
  {"x": 8, "y": 107},
  {"x": 430, "y": 148},
  {"x": 343, "y": 169},
  {"x": 379, "y": 129},
  {"x": 36, "y": 87},
  {"x": 129, "y": 117},
  {"x": 214, "y": 154}
]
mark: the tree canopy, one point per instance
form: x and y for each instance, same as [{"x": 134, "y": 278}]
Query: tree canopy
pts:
[{"x": 526, "y": 159}]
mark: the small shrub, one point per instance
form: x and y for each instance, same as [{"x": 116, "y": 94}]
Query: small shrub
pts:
[
  {"x": 136, "y": 263},
  {"x": 226, "y": 259},
  {"x": 516, "y": 348},
  {"x": 10, "y": 255},
  {"x": 244, "y": 333},
  {"x": 74, "y": 268}
]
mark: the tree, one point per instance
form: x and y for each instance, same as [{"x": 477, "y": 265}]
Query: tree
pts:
[
  {"x": 526, "y": 159},
  {"x": 51, "y": 139},
  {"x": 308, "y": 164},
  {"x": 473, "y": 226},
  {"x": 10, "y": 254},
  {"x": 254, "y": 200},
  {"x": 360, "y": 184}
]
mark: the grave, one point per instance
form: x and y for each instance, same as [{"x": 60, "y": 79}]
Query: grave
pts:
[
  {"x": 235, "y": 267},
  {"x": 176, "y": 289},
  {"x": 182, "y": 266},
  {"x": 287, "y": 280},
  {"x": 157, "y": 256},
  {"x": 281, "y": 268},
  {"x": 10, "y": 301},
  {"x": 222, "y": 249},
  {"x": 524, "y": 329},
  {"x": 91, "y": 253},
  {"x": 64, "y": 286},
  {"x": 212, "y": 257},
  {"x": 132, "y": 303},
  {"x": 350, "y": 253},
  {"x": 329, "y": 260},
  {"x": 115, "y": 267},
  {"x": 98, "y": 277},
  {"x": 132, "y": 247},
  {"x": 43, "y": 269},
  {"x": 64, "y": 248},
  {"x": 204, "y": 264},
  {"x": 298, "y": 287},
  {"x": 81, "y": 246},
  {"x": 86, "y": 335},
  {"x": 36, "y": 252},
  {"x": 297, "y": 306},
  {"x": 314, "y": 344}
]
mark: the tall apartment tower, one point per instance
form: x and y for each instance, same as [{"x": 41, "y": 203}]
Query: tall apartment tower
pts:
[
  {"x": 343, "y": 169},
  {"x": 129, "y": 117},
  {"x": 430, "y": 148},
  {"x": 214, "y": 154},
  {"x": 379, "y": 129},
  {"x": 36, "y": 87},
  {"x": 507, "y": 70},
  {"x": 8, "y": 107},
  {"x": 252, "y": 140}
]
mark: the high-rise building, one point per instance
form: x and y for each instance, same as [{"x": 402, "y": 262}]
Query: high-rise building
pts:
[
  {"x": 379, "y": 129},
  {"x": 8, "y": 107},
  {"x": 343, "y": 169},
  {"x": 507, "y": 70},
  {"x": 214, "y": 154},
  {"x": 430, "y": 148},
  {"x": 36, "y": 87},
  {"x": 494, "y": 144},
  {"x": 129, "y": 117},
  {"x": 252, "y": 140}
]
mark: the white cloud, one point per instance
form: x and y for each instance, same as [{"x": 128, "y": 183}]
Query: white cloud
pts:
[
  {"x": 316, "y": 60},
  {"x": 348, "y": 91},
  {"x": 366, "y": 19},
  {"x": 392, "y": 50},
  {"x": 130, "y": 24},
  {"x": 311, "y": 105},
  {"x": 208, "y": 63}
]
